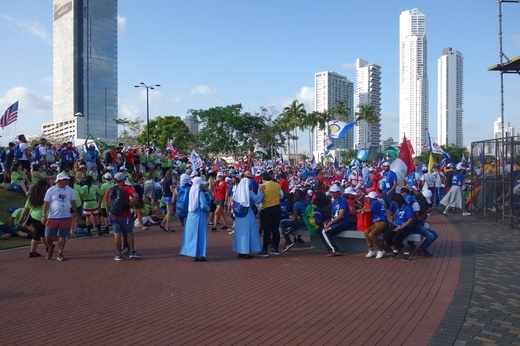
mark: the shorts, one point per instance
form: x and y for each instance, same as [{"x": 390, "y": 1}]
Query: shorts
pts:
[
  {"x": 4, "y": 229},
  {"x": 39, "y": 228},
  {"x": 58, "y": 227},
  {"x": 213, "y": 207},
  {"x": 90, "y": 211},
  {"x": 122, "y": 225},
  {"x": 218, "y": 202},
  {"x": 139, "y": 205},
  {"x": 168, "y": 200},
  {"x": 149, "y": 190}
]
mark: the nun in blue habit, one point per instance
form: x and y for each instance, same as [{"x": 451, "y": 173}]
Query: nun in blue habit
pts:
[
  {"x": 194, "y": 236},
  {"x": 246, "y": 238}
]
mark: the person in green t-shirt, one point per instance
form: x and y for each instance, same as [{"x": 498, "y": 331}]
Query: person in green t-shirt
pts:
[
  {"x": 90, "y": 195},
  {"x": 34, "y": 207},
  {"x": 108, "y": 183},
  {"x": 19, "y": 177}
]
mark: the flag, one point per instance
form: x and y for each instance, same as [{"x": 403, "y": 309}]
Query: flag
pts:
[
  {"x": 463, "y": 160},
  {"x": 403, "y": 164},
  {"x": 260, "y": 148},
  {"x": 313, "y": 160},
  {"x": 435, "y": 148},
  {"x": 392, "y": 152},
  {"x": 328, "y": 142},
  {"x": 362, "y": 155},
  {"x": 430, "y": 163},
  {"x": 10, "y": 115},
  {"x": 102, "y": 146},
  {"x": 336, "y": 163},
  {"x": 196, "y": 161},
  {"x": 217, "y": 166},
  {"x": 338, "y": 129}
]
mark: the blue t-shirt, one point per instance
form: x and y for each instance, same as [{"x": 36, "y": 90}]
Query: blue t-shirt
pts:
[
  {"x": 457, "y": 179},
  {"x": 337, "y": 205},
  {"x": 388, "y": 181},
  {"x": 403, "y": 214},
  {"x": 253, "y": 186},
  {"x": 299, "y": 207},
  {"x": 378, "y": 211}
]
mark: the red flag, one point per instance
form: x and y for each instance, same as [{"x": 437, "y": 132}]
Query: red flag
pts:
[{"x": 404, "y": 164}]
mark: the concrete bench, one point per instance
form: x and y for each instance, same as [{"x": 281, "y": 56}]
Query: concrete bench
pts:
[{"x": 348, "y": 241}]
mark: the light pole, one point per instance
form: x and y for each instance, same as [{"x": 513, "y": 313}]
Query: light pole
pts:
[{"x": 142, "y": 85}]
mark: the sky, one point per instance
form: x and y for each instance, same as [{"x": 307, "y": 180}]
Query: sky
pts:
[{"x": 209, "y": 53}]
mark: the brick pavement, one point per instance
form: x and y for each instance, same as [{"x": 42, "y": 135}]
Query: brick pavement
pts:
[{"x": 298, "y": 298}]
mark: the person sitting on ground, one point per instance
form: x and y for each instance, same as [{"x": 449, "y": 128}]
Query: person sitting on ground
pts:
[
  {"x": 19, "y": 179},
  {"x": 39, "y": 173},
  {"x": 7, "y": 231}
]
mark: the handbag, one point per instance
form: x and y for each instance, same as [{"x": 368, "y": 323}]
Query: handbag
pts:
[{"x": 239, "y": 210}]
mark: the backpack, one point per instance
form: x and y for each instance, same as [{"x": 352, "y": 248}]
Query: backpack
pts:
[
  {"x": 117, "y": 201},
  {"x": 239, "y": 210},
  {"x": 18, "y": 153},
  {"x": 313, "y": 219},
  {"x": 181, "y": 204},
  {"x": 36, "y": 155},
  {"x": 367, "y": 182},
  {"x": 411, "y": 180}
]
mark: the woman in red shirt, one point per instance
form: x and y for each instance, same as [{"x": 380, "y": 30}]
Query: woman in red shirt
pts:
[{"x": 220, "y": 196}]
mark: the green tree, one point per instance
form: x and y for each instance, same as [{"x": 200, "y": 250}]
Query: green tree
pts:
[
  {"x": 368, "y": 114},
  {"x": 135, "y": 128},
  {"x": 315, "y": 120},
  {"x": 168, "y": 127},
  {"x": 292, "y": 118},
  {"x": 227, "y": 130}
]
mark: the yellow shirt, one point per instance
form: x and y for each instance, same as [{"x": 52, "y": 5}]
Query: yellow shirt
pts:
[{"x": 271, "y": 194}]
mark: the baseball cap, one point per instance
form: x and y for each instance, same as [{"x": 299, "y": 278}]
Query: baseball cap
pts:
[
  {"x": 123, "y": 168},
  {"x": 349, "y": 191},
  {"x": 120, "y": 176},
  {"x": 220, "y": 174},
  {"x": 334, "y": 188},
  {"x": 428, "y": 195},
  {"x": 459, "y": 166},
  {"x": 62, "y": 176},
  {"x": 310, "y": 192},
  {"x": 386, "y": 163},
  {"x": 108, "y": 176},
  {"x": 372, "y": 195}
]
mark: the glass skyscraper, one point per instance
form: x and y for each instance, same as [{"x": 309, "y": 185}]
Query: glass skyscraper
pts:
[{"x": 85, "y": 69}]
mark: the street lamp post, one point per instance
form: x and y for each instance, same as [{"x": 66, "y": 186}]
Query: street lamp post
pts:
[{"x": 142, "y": 85}]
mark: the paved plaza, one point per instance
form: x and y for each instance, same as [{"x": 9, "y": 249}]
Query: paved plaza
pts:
[{"x": 468, "y": 293}]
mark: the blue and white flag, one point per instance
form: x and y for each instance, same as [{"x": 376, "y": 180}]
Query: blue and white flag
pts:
[
  {"x": 463, "y": 160},
  {"x": 338, "y": 129},
  {"x": 436, "y": 148},
  {"x": 336, "y": 163},
  {"x": 196, "y": 161},
  {"x": 362, "y": 155},
  {"x": 313, "y": 160},
  {"x": 328, "y": 142}
]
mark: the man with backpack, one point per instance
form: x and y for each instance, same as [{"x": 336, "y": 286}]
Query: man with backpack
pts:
[
  {"x": 39, "y": 153},
  {"x": 22, "y": 153},
  {"x": 7, "y": 158},
  {"x": 119, "y": 199}
]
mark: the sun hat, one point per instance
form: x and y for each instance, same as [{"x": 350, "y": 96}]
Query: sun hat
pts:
[
  {"x": 385, "y": 164},
  {"x": 428, "y": 195},
  {"x": 62, "y": 176},
  {"x": 372, "y": 195},
  {"x": 120, "y": 176},
  {"x": 335, "y": 188},
  {"x": 349, "y": 191},
  {"x": 108, "y": 176}
]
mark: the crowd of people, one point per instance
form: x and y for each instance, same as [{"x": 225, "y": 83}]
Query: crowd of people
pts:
[{"x": 132, "y": 187}]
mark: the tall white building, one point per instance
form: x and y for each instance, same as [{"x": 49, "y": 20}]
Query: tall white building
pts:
[
  {"x": 413, "y": 78},
  {"x": 84, "y": 69},
  {"x": 193, "y": 125},
  {"x": 450, "y": 98},
  {"x": 330, "y": 87},
  {"x": 509, "y": 130},
  {"x": 368, "y": 91}
]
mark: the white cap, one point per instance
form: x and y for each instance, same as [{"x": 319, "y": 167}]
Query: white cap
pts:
[
  {"x": 120, "y": 176},
  {"x": 349, "y": 191},
  {"x": 428, "y": 195},
  {"x": 108, "y": 176},
  {"x": 459, "y": 166},
  {"x": 110, "y": 168},
  {"x": 220, "y": 174},
  {"x": 372, "y": 195},
  {"x": 334, "y": 188},
  {"x": 386, "y": 163},
  {"x": 198, "y": 180},
  {"x": 370, "y": 169},
  {"x": 310, "y": 192},
  {"x": 123, "y": 168},
  {"x": 62, "y": 176}
]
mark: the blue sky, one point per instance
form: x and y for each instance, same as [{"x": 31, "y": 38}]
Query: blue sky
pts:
[{"x": 264, "y": 53}]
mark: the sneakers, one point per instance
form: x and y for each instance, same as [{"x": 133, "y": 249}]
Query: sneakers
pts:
[
  {"x": 466, "y": 213},
  {"x": 445, "y": 212},
  {"x": 380, "y": 254},
  {"x": 210, "y": 223},
  {"x": 60, "y": 257},
  {"x": 125, "y": 252},
  {"x": 49, "y": 252},
  {"x": 134, "y": 255},
  {"x": 224, "y": 227},
  {"x": 275, "y": 252},
  {"x": 288, "y": 230},
  {"x": 213, "y": 229},
  {"x": 34, "y": 254},
  {"x": 263, "y": 254},
  {"x": 370, "y": 254},
  {"x": 288, "y": 246},
  {"x": 333, "y": 254},
  {"x": 406, "y": 257},
  {"x": 394, "y": 255},
  {"x": 118, "y": 258},
  {"x": 231, "y": 232}
]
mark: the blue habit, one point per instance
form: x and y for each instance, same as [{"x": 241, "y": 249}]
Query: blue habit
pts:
[
  {"x": 246, "y": 238},
  {"x": 194, "y": 236}
]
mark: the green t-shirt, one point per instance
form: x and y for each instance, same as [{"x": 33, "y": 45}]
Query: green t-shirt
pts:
[
  {"x": 36, "y": 213},
  {"x": 77, "y": 193},
  {"x": 16, "y": 177},
  {"x": 90, "y": 196},
  {"x": 16, "y": 215},
  {"x": 103, "y": 191}
]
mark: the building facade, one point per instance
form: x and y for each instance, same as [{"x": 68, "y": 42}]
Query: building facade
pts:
[
  {"x": 368, "y": 91},
  {"x": 413, "y": 78},
  {"x": 193, "y": 125},
  {"x": 84, "y": 69},
  {"x": 330, "y": 87},
  {"x": 450, "y": 98}
]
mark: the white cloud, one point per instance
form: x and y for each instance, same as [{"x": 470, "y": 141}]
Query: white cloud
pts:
[
  {"x": 30, "y": 101},
  {"x": 349, "y": 66},
  {"x": 204, "y": 90},
  {"x": 306, "y": 96},
  {"x": 32, "y": 28},
  {"x": 176, "y": 99},
  {"x": 121, "y": 24}
]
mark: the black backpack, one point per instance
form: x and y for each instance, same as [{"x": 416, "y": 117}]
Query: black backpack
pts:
[{"x": 117, "y": 203}]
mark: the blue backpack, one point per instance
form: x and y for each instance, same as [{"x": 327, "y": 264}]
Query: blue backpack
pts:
[
  {"x": 181, "y": 204},
  {"x": 36, "y": 154},
  {"x": 411, "y": 179},
  {"x": 18, "y": 153}
]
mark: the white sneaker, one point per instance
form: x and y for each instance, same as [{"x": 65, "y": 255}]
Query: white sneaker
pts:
[
  {"x": 380, "y": 254},
  {"x": 370, "y": 254},
  {"x": 466, "y": 214}
]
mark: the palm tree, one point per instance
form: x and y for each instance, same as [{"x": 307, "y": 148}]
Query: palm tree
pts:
[
  {"x": 342, "y": 110},
  {"x": 294, "y": 115},
  {"x": 368, "y": 113}
]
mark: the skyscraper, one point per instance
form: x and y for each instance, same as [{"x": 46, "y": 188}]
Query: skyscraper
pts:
[
  {"x": 368, "y": 91},
  {"x": 449, "y": 98},
  {"x": 413, "y": 78},
  {"x": 330, "y": 87},
  {"x": 84, "y": 69}
]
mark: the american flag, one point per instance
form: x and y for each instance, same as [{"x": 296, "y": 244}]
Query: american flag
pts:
[{"x": 10, "y": 115}]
